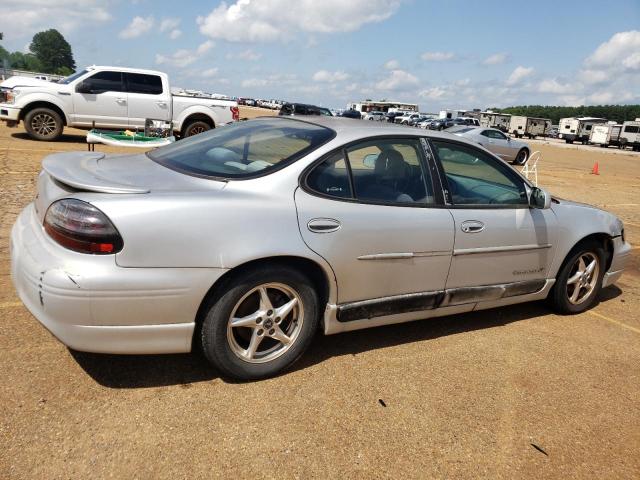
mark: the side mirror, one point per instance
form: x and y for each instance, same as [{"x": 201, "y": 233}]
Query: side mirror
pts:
[
  {"x": 539, "y": 198},
  {"x": 83, "y": 87},
  {"x": 369, "y": 160}
]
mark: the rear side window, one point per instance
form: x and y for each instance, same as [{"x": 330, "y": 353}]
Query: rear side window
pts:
[
  {"x": 631, "y": 129},
  {"x": 141, "y": 83},
  {"x": 242, "y": 150},
  {"x": 331, "y": 177},
  {"x": 105, "y": 82}
]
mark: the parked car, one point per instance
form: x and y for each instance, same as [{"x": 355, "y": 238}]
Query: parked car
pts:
[
  {"x": 406, "y": 118},
  {"x": 351, "y": 114},
  {"x": 374, "y": 116},
  {"x": 245, "y": 240},
  {"x": 469, "y": 121},
  {"x": 303, "y": 109},
  {"x": 111, "y": 98},
  {"x": 496, "y": 142},
  {"x": 415, "y": 121},
  {"x": 391, "y": 116}
]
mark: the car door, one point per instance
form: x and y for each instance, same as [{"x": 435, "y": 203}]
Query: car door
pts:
[
  {"x": 146, "y": 98},
  {"x": 101, "y": 98},
  {"x": 499, "y": 239},
  {"x": 370, "y": 210},
  {"x": 498, "y": 143}
]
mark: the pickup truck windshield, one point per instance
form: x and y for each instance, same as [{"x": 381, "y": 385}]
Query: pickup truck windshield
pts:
[
  {"x": 71, "y": 78},
  {"x": 242, "y": 150}
]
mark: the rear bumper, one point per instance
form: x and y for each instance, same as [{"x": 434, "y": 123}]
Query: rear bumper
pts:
[
  {"x": 620, "y": 260},
  {"x": 91, "y": 304},
  {"x": 9, "y": 113}
]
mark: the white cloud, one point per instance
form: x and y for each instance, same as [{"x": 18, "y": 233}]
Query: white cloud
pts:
[
  {"x": 168, "y": 24},
  {"x": 182, "y": 58},
  {"x": 437, "y": 56},
  {"x": 23, "y": 18},
  {"x": 593, "y": 77},
  {"x": 138, "y": 26},
  {"x": 210, "y": 73},
  {"x": 249, "y": 55},
  {"x": 435, "y": 93},
  {"x": 496, "y": 59},
  {"x": 329, "y": 77},
  {"x": 392, "y": 64},
  {"x": 279, "y": 80},
  {"x": 254, "y": 82},
  {"x": 554, "y": 86},
  {"x": 519, "y": 74},
  {"x": 620, "y": 50},
  {"x": 175, "y": 33},
  {"x": 397, "y": 80},
  {"x": 273, "y": 20}
]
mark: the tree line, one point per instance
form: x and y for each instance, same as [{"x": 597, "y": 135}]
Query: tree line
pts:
[
  {"x": 49, "y": 52},
  {"x": 617, "y": 113}
]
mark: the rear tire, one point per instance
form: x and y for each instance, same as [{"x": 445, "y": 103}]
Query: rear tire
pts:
[
  {"x": 574, "y": 274},
  {"x": 241, "y": 329},
  {"x": 43, "y": 124},
  {"x": 196, "y": 127}
]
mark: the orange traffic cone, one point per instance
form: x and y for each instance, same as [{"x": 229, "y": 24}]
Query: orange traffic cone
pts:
[{"x": 595, "y": 170}]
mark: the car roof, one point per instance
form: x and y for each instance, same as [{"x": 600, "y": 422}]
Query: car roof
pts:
[{"x": 348, "y": 129}]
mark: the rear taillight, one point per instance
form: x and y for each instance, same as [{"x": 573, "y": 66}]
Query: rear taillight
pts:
[
  {"x": 235, "y": 114},
  {"x": 81, "y": 227}
]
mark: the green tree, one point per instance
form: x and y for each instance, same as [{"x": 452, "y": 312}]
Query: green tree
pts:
[
  {"x": 25, "y": 61},
  {"x": 52, "y": 51}
]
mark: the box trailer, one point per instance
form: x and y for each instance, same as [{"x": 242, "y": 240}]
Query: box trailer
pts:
[
  {"x": 578, "y": 128},
  {"x": 605, "y": 135},
  {"x": 495, "y": 120},
  {"x": 630, "y": 135},
  {"x": 528, "y": 126}
]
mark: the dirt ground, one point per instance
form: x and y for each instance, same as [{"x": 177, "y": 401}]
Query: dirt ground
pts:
[{"x": 511, "y": 393}]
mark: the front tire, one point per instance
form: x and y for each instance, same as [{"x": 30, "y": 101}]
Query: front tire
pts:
[
  {"x": 43, "y": 124},
  {"x": 261, "y": 324},
  {"x": 522, "y": 157},
  {"x": 579, "y": 280}
]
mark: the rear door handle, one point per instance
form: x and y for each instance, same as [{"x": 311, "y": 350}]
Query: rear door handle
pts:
[
  {"x": 472, "y": 226},
  {"x": 323, "y": 225},
  {"x": 121, "y": 100}
]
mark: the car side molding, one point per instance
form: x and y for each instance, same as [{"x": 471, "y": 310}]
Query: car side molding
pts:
[{"x": 415, "y": 302}]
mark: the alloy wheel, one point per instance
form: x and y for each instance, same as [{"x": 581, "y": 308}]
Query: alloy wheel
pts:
[
  {"x": 583, "y": 277},
  {"x": 43, "y": 124},
  {"x": 265, "y": 323}
]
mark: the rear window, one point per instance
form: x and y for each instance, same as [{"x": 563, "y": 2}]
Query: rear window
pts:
[
  {"x": 242, "y": 150},
  {"x": 141, "y": 83}
]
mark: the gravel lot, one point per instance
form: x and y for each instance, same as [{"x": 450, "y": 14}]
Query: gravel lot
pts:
[{"x": 510, "y": 393}]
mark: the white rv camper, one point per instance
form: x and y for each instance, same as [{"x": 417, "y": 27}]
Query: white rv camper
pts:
[
  {"x": 495, "y": 120},
  {"x": 630, "y": 135},
  {"x": 528, "y": 126},
  {"x": 605, "y": 135},
  {"x": 578, "y": 128}
]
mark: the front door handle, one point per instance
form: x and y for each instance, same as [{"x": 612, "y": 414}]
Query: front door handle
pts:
[
  {"x": 472, "y": 226},
  {"x": 323, "y": 225},
  {"x": 121, "y": 100},
  {"x": 161, "y": 104}
]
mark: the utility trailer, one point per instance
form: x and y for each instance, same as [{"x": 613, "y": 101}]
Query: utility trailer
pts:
[
  {"x": 529, "y": 127},
  {"x": 578, "y": 128},
  {"x": 495, "y": 120},
  {"x": 605, "y": 135}
]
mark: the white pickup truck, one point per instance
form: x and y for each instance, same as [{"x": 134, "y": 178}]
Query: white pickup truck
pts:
[{"x": 110, "y": 98}]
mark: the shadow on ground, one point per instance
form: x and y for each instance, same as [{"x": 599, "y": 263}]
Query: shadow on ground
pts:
[
  {"x": 64, "y": 138},
  {"x": 143, "y": 371}
]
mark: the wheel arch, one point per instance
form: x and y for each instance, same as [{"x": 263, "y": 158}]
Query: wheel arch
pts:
[
  {"x": 197, "y": 117},
  {"x": 310, "y": 268},
  {"x": 42, "y": 104},
  {"x": 604, "y": 239}
]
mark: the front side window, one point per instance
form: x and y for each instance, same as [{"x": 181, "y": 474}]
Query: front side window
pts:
[
  {"x": 141, "y": 83},
  {"x": 71, "y": 78},
  {"x": 243, "y": 149},
  {"x": 105, "y": 82},
  {"x": 475, "y": 178}
]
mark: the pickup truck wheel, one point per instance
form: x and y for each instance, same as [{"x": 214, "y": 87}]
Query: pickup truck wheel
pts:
[
  {"x": 194, "y": 128},
  {"x": 43, "y": 124}
]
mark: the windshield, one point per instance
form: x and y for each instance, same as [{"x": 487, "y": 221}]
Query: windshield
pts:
[
  {"x": 243, "y": 149},
  {"x": 71, "y": 78}
]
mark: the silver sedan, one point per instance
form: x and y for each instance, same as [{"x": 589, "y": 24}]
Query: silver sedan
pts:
[
  {"x": 510, "y": 150},
  {"x": 245, "y": 240}
]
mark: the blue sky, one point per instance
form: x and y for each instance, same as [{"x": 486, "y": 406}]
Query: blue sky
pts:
[{"x": 440, "y": 54}]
